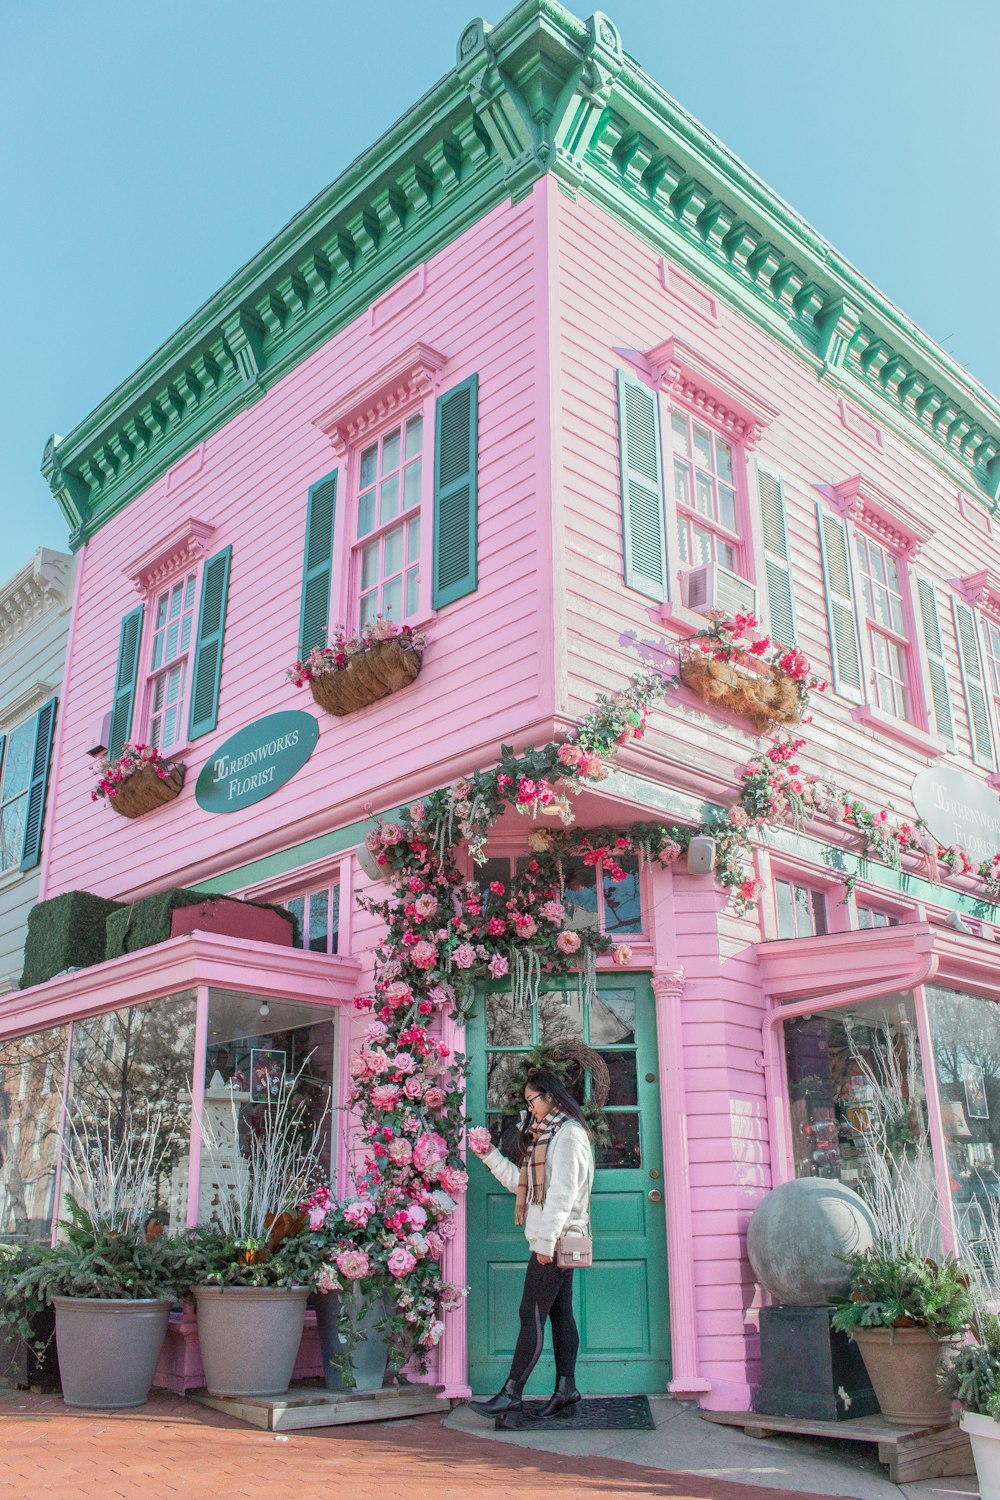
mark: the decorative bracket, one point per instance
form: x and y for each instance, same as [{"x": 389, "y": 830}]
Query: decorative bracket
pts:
[
  {"x": 981, "y": 590},
  {"x": 694, "y": 379},
  {"x": 184, "y": 546},
  {"x": 885, "y": 517},
  {"x": 414, "y": 374}
]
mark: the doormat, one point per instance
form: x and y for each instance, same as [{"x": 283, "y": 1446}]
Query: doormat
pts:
[{"x": 592, "y": 1414}]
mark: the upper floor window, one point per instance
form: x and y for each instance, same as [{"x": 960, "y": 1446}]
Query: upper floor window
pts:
[
  {"x": 319, "y": 918},
  {"x": 386, "y": 551},
  {"x": 885, "y": 623},
  {"x": 991, "y": 650},
  {"x": 604, "y": 896},
  {"x": 801, "y": 910},
  {"x": 16, "y": 751},
  {"x": 873, "y": 916},
  {"x": 704, "y": 489},
  {"x": 169, "y": 675}
]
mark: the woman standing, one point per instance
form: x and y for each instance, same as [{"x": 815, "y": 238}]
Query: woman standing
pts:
[{"x": 552, "y": 1186}]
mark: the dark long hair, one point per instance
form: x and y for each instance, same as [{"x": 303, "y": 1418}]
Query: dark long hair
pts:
[{"x": 544, "y": 1082}]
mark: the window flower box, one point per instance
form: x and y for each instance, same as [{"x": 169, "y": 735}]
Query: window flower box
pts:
[
  {"x": 138, "y": 780},
  {"x": 351, "y": 673},
  {"x": 729, "y": 667}
]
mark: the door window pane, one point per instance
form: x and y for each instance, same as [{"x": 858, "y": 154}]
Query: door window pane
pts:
[{"x": 623, "y": 1150}]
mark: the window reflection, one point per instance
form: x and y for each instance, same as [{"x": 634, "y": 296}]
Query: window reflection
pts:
[
  {"x": 967, "y": 1056},
  {"x": 32, "y": 1071}
]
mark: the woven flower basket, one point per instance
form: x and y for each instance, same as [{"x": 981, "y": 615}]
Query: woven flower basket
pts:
[
  {"x": 370, "y": 675},
  {"x": 766, "y": 697},
  {"x": 144, "y": 791},
  {"x": 588, "y": 1061}
]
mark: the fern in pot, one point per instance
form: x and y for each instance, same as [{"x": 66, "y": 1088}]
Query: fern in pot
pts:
[{"x": 113, "y": 1276}]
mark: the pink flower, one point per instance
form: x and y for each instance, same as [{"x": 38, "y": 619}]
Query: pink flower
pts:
[
  {"x": 353, "y": 1264},
  {"x": 412, "y": 1088},
  {"x": 496, "y": 926},
  {"x": 429, "y": 1150},
  {"x": 418, "y": 1215},
  {"x": 435, "y": 1244},
  {"x": 376, "y": 1031},
  {"x": 526, "y": 790},
  {"x": 425, "y": 906},
  {"x": 569, "y": 755},
  {"x": 358, "y": 1213},
  {"x": 622, "y": 954},
  {"x": 524, "y": 926},
  {"x": 568, "y": 942},
  {"x": 554, "y": 912},
  {"x": 418, "y": 812},
  {"x": 440, "y": 995},
  {"x": 424, "y": 954},
  {"x": 326, "y": 1279},
  {"x": 396, "y": 994},
  {"x": 668, "y": 852},
  {"x": 384, "y": 1096},
  {"x": 498, "y": 966},
  {"x": 404, "y": 1062},
  {"x": 390, "y": 833},
  {"x": 453, "y": 1180},
  {"x": 464, "y": 956},
  {"x": 400, "y": 1151},
  {"x": 400, "y": 1262},
  {"x": 590, "y": 766},
  {"x": 434, "y": 1098}
]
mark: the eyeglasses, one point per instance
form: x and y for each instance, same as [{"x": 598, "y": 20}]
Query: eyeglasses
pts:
[{"x": 531, "y": 1098}]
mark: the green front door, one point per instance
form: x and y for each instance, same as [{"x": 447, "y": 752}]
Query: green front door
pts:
[{"x": 621, "y": 1303}]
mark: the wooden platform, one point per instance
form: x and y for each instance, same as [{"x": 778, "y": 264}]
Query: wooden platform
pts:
[
  {"x": 309, "y": 1406},
  {"x": 910, "y": 1453}
]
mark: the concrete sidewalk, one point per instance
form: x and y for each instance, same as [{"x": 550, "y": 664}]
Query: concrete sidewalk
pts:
[{"x": 172, "y": 1449}]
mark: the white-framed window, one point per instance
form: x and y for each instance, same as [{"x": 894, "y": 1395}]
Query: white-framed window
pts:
[
  {"x": 706, "y": 479},
  {"x": 800, "y": 910},
  {"x": 387, "y": 524},
  {"x": 318, "y": 912},
  {"x": 606, "y": 896},
  {"x": 990, "y": 635},
  {"x": 172, "y": 626},
  {"x": 885, "y": 622},
  {"x": 16, "y": 757}
]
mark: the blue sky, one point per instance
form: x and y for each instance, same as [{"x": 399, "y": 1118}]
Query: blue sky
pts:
[{"x": 147, "y": 151}]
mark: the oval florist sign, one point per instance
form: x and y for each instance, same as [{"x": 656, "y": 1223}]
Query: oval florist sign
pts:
[
  {"x": 959, "y": 809},
  {"x": 255, "y": 762}
]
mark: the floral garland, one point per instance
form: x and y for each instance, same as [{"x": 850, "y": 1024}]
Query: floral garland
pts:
[{"x": 132, "y": 757}]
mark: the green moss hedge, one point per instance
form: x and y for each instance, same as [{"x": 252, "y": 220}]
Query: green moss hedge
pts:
[{"x": 68, "y": 932}]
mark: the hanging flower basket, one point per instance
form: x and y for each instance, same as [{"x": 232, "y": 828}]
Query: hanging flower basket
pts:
[
  {"x": 349, "y": 674},
  {"x": 144, "y": 791},
  {"x": 729, "y": 666}
]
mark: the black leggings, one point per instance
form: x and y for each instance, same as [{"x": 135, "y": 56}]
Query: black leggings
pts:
[{"x": 548, "y": 1293}]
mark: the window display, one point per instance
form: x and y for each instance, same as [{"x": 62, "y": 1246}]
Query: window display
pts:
[
  {"x": 967, "y": 1058},
  {"x": 32, "y": 1070}
]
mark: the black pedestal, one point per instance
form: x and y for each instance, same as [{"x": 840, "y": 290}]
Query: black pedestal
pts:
[{"x": 807, "y": 1370}]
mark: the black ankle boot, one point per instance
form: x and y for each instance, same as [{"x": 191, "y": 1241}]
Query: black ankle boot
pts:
[
  {"x": 565, "y": 1395},
  {"x": 506, "y": 1399}
]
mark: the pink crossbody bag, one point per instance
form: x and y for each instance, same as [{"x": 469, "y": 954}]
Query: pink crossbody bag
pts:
[{"x": 574, "y": 1252}]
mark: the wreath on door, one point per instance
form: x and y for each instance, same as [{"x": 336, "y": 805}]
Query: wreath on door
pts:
[{"x": 572, "y": 1063}]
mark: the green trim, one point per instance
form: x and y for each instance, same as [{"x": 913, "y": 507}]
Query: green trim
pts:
[
  {"x": 317, "y": 565},
  {"x": 456, "y": 493},
  {"x": 207, "y": 671},
  {"x": 541, "y": 92},
  {"x": 126, "y": 678},
  {"x": 272, "y": 866}
]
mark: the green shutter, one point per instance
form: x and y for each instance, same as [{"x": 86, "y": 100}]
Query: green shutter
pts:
[
  {"x": 936, "y": 667},
  {"x": 456, "y": 493},
  {"x": 125, "y": 678},
  {"x": 317, "y": 570},
  {"x": 777, "y": 557},
  {"x": 31, "y": 851},
  {"x": 845, "y": 647},
  {"x": 974, "y": 684},
  {"x": 641, "y": 458},
  {"x": 208, "y": 644}
]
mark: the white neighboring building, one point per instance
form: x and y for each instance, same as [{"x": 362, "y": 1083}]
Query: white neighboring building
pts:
[{"x": 34, "y": 624}]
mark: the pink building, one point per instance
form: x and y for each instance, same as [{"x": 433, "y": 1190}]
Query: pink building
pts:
[{"x": 548, "y": 375}]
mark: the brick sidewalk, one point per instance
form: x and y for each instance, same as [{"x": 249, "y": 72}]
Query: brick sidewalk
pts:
[{"x": 171, "y": 1448}]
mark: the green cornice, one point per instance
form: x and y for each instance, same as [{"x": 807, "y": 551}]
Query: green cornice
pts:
[{"x": 541, "y": 92}]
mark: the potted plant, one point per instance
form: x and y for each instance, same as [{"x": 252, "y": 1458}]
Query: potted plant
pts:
[
  {"x": 252, "y": 1269},
  {"x": 114, "y": 1276},
  {"x": 138, "y": 780},
  {"x": 354, "y": 671},
  {"x": 905, "y": 1312},
  {"x": 972, "y": 1378}
]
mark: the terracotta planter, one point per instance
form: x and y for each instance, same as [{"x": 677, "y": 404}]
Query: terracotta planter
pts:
[
  {"x": 984, "y": 1435},
  {"x": 902, "y": 1364},
  {"x": 144, "y": 791},
  {"x": 249, "y": 1337},
  {"x": 108, "y": 1349},
  {"x": 370, "y": 675}
]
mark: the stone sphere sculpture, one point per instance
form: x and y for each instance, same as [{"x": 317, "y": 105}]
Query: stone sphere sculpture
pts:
[{"x": 801, "y": 1234}]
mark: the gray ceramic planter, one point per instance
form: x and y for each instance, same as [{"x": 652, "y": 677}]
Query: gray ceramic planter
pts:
[
  {"x": 249, "y": 1337},
  {"x": 108, "y": 1348}
]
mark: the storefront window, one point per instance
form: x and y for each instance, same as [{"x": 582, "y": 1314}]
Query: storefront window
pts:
[
  {"x": 32, "y": 1071},
  {"x": 258, "y": 1051},
  {"x": 130, "y": 1070},
  {"x": 967, "y": 1057},
  {"x": 857, "y": 1107}
]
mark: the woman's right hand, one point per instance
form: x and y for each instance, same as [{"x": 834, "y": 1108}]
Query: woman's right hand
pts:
[{"x": 480, "y": 1140}]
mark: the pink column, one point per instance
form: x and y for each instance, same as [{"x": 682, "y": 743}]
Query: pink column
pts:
[
  {"x": 668, "y": 987},
  {"x": 452, "y": 1353},
  {"x": 197, "y": 1103}
]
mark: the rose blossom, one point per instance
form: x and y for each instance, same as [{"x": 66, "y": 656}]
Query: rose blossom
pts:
[
  {"x": 435, "y": 1244},
  {"x": 569, "y": 755},
  {"x": 425, "y": 906},
  {"x": 400, "y": 1262},
  {"x": 358, "y": 1213},
  {"x": 385, "y": 1096},
  {"x": 326, "y": 1279},
  {"x": 404, "y": 1062},
  {"x": 568, "y": 942},
  {"x": 376, "y": 1031},
  {"x": 390, "y": 833},
  {"x": 554, "y": 912},
  {"x": 353, "y": 1264},
  {"x": 400, "y": 1151},
  {"x": 417, "y": 1244},
  {"x": 590, "y": 766},
  {"x": 398, "y": 993},
  {"x": 668, "y": 852},
  {"x": 480, "y": 1140},
  {"x": 424, "y": 954},
  {"x": 418, "y": 812},
  {"x": 434, "y": 1333},
  {"x": 412, "y": 1087},
  {"x": 418, "y": 1215},
  {"x": 498, "y": 966},
  {"x": 464, "y": 956},
  {"x": 434, "y": 1098},
  {"x": 539, "y": 842},
  {"x": 525, "y": 926},
  {"x": 453, "y": 1179},
  {"x": 622, "y": 954},
  {"x": 429, "y": 1150}
]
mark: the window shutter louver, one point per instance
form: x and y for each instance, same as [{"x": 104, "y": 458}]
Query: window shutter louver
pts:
[
  {"x": 974, "y": 684},
  {"x": 641, "y": 455},
  {"x": 207, "y": 668},
  {"x": 317, "y": 570},
  {"x": 937, "y": 669},
  {"x": 777, "y": 557},
  {"x": 31, "y": 851},
  {"x": 845, "y": 646},
  {"x": 125, "y": 679},
  {"x": 456, "y": 493}
]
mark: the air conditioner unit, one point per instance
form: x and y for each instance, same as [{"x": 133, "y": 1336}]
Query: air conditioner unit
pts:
[{"x": 713, "y": 587}]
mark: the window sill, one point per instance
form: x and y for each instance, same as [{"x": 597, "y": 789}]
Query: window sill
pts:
[
  {"x": 12, "y": 876},
  {"x": 896, "y": 729},
  {"x": 677, "y": 616}
]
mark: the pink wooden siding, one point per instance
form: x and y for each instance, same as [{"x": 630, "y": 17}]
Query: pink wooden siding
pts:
[{"x": 481, "y": 679}]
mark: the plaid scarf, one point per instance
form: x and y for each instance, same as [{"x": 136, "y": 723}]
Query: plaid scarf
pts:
[{"x": 531, "y": 1183}]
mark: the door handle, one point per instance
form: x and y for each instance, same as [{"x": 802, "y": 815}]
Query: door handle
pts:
[{"x": 655, "y": 1196}]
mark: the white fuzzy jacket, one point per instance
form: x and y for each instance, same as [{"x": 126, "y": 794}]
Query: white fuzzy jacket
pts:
[{"x": 569, "y": 1176}]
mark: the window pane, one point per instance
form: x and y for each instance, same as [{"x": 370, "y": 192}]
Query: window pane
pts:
[
  {"x": 392, "y": 599},
  {"x": 967, "y": 1054},
  {"x": 724, "y": 460},
  {"x": 580, "y": 895},
  {"x": 168, "y": 735},
  {"x": 414, "y": 436},
  {"x": 319, "y": 907},
  {"x": 624, "y": 1084},
  {"x": 392, "y": 551},
  {"x": 622, "y": 911},
  {"x": 411, "y": 484},
  {"x": 727, "y": 555},
  {"x": 785, "y": 908},
  {"x": 390, "y": 451},
  {"x": 727, "y": 507},
  {"x": 31, "y": 1082},
  {"x": 17, "y": 760},
  {"x": 704, "y": 494},
  {"x": 366, "y": 513},
  {"x": 186, "y": 632},
  {"x": 157, "y": 656},
  {"x": 368, "y": 467},
  {"x": 369, "y": 607},
  {"x": 161, "y": 611},
  {"x": 502, "y": 1069},
  {"x": 176, "y": 599},
  {"x": 333, "y": 944},
  {"x": 684, "y": 544},
  {"x": 819, "y": 912},
  {"x": 13, "y": 816},
  {"x": 679, "y": 428},
  {"x": 189, "y": 592},
  {"x": 297, "y": 906},
  {"x": 612, "y": 1018},
  {"x": 388, "y": 505},
  {"x": 369, "y": 565},
  {"x": 173, "y": 632},
  {"x": 702, "y": 446},
  {"x": 803, "y": 911},
  {"x": 682, "y": 483},
  {"x": 413, "y": 540},
  {"x": 623, "y": 1150},
  {"x": 702, "y": 543},
  {"x": 412, "y": 592}
]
